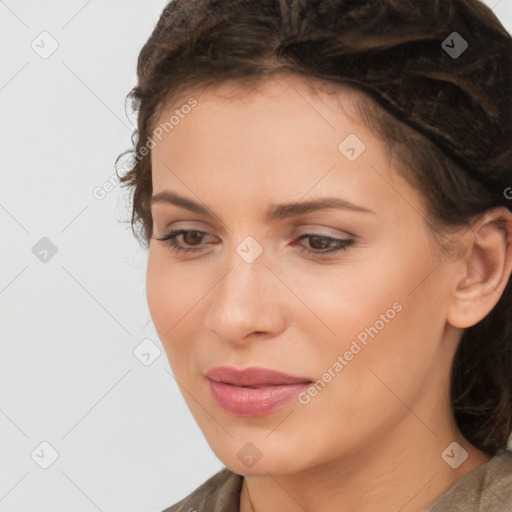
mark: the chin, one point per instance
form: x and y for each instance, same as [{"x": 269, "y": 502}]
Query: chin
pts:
[{"x": 260, "y": 457}]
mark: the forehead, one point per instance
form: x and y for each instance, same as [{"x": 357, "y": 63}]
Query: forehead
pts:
[{"x": 284, "y": 115}]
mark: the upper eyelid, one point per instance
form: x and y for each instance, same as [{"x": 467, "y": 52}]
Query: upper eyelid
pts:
[
  {"x": 307, "y": 227},
  {"x": 180, "y": 232}
]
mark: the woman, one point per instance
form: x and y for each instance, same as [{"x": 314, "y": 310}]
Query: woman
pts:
[{"x": 324, "y": 188}]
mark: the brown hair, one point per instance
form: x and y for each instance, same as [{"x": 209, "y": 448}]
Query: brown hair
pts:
[{"x": 202, "y": 43}]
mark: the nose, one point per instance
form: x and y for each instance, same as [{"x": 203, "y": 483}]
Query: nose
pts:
[{"x": 248, "y": 300}]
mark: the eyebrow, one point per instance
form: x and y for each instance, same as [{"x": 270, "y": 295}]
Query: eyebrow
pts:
[{"x": 275, "y": 212}]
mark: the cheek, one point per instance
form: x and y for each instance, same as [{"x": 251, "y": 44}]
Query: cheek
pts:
[
  {"x": 379, "y": 307},
  {"x": 345, "y": 299},
  {"x": 389, "y": 323},
  {"x": 171, "y": 296}
]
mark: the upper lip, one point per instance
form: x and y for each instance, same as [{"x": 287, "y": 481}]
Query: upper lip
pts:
[{"x": 253, "y": 376}]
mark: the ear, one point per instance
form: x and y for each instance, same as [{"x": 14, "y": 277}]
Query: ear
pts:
[{"x": 482, "y": 269}]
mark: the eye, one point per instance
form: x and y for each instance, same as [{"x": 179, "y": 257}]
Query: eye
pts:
[
  {"x": 170, "y": 239},
  {"x": 195, "y": 237},
  {"x": 323, "y": 241}
]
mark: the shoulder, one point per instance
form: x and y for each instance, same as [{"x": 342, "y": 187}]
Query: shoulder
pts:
[
  {"x": 487, "y": 488},
  {"x": 220, "y": 493}
]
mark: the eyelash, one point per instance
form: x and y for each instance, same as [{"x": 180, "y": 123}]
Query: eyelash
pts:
[{"x": 170, "y": 241}]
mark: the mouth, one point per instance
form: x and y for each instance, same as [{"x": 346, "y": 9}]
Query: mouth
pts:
[{"x": 253, "y": 391}]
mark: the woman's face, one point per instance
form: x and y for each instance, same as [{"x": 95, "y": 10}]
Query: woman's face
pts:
[{"x": 365, "y": 324}]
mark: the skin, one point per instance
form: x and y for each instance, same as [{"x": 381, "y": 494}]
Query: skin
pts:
[{"x": 372, "y": 438}]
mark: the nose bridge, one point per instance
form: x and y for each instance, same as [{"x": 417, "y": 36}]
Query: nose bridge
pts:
[{"x": 242, "y": 300}]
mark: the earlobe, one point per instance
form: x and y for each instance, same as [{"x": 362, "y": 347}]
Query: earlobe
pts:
[{"x": 486, "y": 269}]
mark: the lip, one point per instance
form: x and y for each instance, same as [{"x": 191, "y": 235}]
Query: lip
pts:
[
  {"x": 253, "y": 376},
  {"x": 253, "y": 391}
]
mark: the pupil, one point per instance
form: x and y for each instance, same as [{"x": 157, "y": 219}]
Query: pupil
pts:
[
  {"x": 190, "y": 234},
  {"x": 322, "y": 246}
]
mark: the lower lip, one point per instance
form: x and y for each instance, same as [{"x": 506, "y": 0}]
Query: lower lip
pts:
[{"x": 241, "y": 401}]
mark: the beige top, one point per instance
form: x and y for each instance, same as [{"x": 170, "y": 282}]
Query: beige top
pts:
[{"x": 487, "y": 488}]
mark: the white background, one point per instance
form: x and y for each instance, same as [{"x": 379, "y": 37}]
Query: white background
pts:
[{"x": 68, "y": 376}]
